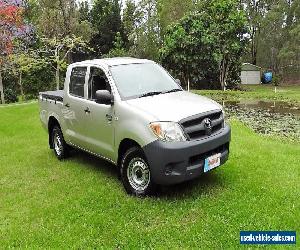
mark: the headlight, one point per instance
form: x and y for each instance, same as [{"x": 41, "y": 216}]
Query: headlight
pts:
[
  {"x": 223, "y": 114},
  {"x": 167, "y": 131},
  {"x": 223, "y": 117}
]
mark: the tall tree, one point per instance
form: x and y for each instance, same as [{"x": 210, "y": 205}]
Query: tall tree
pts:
[
  {"x": 207, "y": 44},
  {"x": 12, "y": 26},
  {"x": 60, "y": 18},
  {"x": 130, "y": 21},
  {"x": 148, "y": 32},
  {"x": 172, "y": 11},
  {"x": 256, "y": 11},
  {"x": 56, "y": 51},
  {"x": 106, "y": 21}
]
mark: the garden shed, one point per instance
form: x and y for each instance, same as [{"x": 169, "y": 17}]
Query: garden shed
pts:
[{"x": 251, "y": 74}]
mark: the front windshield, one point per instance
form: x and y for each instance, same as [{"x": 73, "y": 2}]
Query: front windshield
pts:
[{"x": 137, "y": 80}]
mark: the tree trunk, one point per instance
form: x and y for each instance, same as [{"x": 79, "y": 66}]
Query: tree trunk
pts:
[
  {"x": 221, "y": 74},
  {"x": 1, "y": 89},
  {"x": 223, "y": 68},
  {"x": 21, "y": 85},
  {"x": 57, "y": 76}
]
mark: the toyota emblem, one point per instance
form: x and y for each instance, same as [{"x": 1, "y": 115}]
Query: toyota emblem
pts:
[{"x": 207, "y": 123}]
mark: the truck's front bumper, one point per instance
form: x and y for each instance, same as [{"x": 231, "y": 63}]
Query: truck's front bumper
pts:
[{"x": 177, "y": 162}]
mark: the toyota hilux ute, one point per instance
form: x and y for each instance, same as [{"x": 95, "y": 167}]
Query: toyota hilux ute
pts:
[{"x": 132, "y": 113}]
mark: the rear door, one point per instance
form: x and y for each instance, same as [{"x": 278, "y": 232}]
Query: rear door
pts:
[
  {"x": 99, "y": 126},
  {"x": 74, "y": 106}
]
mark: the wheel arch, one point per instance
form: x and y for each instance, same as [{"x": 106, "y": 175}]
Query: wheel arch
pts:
[
  {"x": 124, "y": 145},
  {"x": 52, "y": 122}
]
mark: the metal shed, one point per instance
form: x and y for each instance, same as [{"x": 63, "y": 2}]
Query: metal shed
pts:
[{"x": 251, "y": 74}]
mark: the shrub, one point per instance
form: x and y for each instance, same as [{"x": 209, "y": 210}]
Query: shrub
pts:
[
  {"x": 10, "y": 95},
  {"x": 276, "y": 80}
]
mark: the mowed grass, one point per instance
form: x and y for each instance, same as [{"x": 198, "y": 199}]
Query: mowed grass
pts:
[
  {"x": 263, "y": 92},
  {"x": 80, "y": 203}
]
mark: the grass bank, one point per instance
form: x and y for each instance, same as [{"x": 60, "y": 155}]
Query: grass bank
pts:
[
  {"x": 256, "y": 92},
  {"x": 80, "y": 203}
]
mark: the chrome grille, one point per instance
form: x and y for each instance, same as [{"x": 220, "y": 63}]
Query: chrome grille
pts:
[{"x": 196, "y": 127}]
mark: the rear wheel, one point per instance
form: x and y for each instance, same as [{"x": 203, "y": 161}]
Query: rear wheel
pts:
[
  {"x": 136, "y": 174},
  {"x": 60, "y": 147}
]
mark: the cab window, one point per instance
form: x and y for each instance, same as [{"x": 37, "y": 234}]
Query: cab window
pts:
[
  {"x": 97, "y": 81},
  {"x": 77, "y": 81}
]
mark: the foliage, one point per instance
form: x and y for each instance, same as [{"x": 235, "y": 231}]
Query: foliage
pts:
[
  {"x": 172, "y": 11},
  {"x": 106, "y": 22},
  {"x": 12, "y": 26},
  {"x": 142, "y": 24},
  {"x": 198, "y": 41},
  {"x": 56, "y": 50},
  {"x": 60, "y": 18},
  {"x": 10, "y": 95},
  {"x": 276, "y": 80},
  {"x": 131, "y": 18},
  {"x": 118, "y": 50},
  {"x": 207, "y": 44},
  {"x": 38, "y": 79},
  {"x": 255, "y": 11},
  {"x": 274, "y": 35}
]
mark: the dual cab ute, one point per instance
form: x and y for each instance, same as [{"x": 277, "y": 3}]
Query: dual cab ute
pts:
[{"x": 132, "y": 113}]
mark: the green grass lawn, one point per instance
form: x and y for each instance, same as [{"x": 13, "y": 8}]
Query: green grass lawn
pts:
[
  {"x": 80, "y": 202},
  {"x": 256, "y": 92}
]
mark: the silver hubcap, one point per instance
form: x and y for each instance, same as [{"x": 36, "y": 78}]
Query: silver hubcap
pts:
[
  {"x": 57, "y": 144},
  {"x": 138, "y": 174}
]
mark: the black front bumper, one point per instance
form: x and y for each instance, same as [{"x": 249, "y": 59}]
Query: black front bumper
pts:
[{"x": 177, "y": 162}]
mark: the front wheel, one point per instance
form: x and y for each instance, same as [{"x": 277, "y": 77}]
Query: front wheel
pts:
[{"x": 136, "y": 174}]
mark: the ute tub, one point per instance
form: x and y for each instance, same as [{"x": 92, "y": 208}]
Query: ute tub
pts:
[
  {"x": 177, "y": 162},
  {"x": 57, "y": 95}
]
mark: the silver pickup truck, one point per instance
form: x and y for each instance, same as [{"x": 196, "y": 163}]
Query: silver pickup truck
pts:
[{"x": 132, "y": 113}]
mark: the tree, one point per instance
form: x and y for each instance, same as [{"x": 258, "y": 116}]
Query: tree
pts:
[
  {"x": 60, "y": 18},
  {"x": 106, "y": 22},
  {"x": 56, "y": 50},
  {"x": 23, "y": 62},
  {"x": 11, "y": 26},
  {"x": 130, "y": 21},
  {"x": 148, "y": 35},
  {"x": 255, "y": 11},
  {"x": 277, "y": 47},
  {"x": 171, "y": 11},
  {"x": 207, "y": 44},
  {"x": 118, "y": 50}
]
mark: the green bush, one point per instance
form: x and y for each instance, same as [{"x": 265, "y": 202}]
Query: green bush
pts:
[
  {"x": 276, "y": 80},
  {"x": 10, "y": 95},
  {"x": 38, "y": 80}
]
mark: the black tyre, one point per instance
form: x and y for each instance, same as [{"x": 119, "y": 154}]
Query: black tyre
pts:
[
  {"x": 59, "y": 145},
  {"x": 136, "y": 174}
]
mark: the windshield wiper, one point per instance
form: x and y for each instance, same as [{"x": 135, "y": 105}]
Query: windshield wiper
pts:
[
  {"x": 173, "y": 90},
  {"x": 151, "y": 93}
]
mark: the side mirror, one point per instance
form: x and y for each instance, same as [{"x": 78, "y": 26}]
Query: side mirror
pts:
[
  {"x": 178, "y": 82},
  {"x": 104, "y": 97}
]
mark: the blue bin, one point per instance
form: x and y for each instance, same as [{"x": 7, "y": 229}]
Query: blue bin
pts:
[{"x": 268, "y": 77}]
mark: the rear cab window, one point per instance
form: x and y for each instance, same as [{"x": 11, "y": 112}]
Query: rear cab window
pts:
[{"x": 77, "y": 81}]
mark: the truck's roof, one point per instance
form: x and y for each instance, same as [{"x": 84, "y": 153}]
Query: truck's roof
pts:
[{"x": 111, "y": 61}]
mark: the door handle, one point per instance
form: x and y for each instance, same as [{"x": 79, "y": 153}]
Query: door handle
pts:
[
  {"x": 87, "y": 110},
  {"x": 109, "y": 117},
  {"x": 67, "y": 105}
]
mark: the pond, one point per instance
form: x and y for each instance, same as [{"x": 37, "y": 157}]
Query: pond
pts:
[{"x": 268, "y": 118}]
